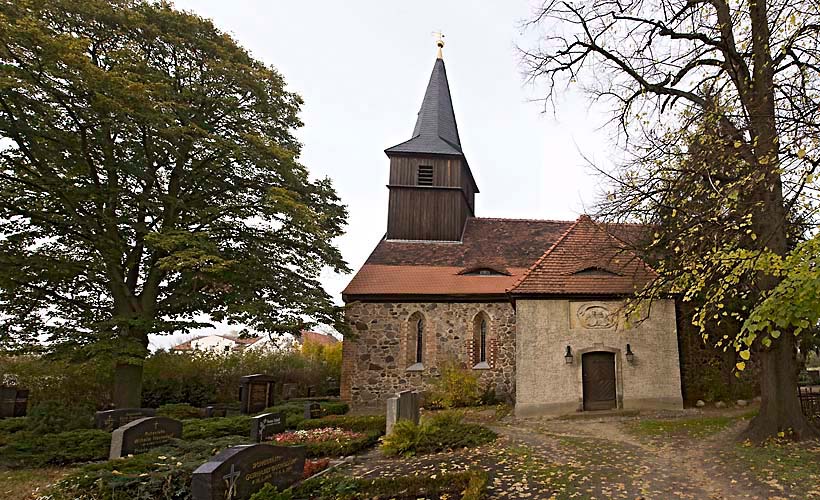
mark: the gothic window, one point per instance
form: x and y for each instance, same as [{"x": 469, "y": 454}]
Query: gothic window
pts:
[
  {"x": 481, "y": 348},
  {"x": 415, "y": 342},
  {"x": 419, "y": 340}
]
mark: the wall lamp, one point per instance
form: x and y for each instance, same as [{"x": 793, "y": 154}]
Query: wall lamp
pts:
[
  {"x": 568, "y": 356},
  {"x": 630, "y": 356}
]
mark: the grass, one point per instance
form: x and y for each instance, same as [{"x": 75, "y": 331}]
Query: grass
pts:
[
  {"x": 795, "y": 465},
  {"x": 692, "y": 427},
  {"x": 27, "y": 484}
]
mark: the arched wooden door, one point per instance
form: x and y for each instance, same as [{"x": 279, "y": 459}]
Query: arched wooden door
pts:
[{"x": 599, "y": 380}]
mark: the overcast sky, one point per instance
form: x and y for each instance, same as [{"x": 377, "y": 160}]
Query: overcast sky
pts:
[{"x": 362, "y": 68}]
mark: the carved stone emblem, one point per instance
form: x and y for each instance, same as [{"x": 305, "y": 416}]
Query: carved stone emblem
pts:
[{"x": 595, "y": 316}]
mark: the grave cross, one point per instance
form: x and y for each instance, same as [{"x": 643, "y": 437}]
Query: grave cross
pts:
[{"x": 230, "y": 481}]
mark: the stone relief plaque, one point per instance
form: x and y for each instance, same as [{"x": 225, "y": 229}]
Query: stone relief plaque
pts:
[{"x": 592, "y": 316}]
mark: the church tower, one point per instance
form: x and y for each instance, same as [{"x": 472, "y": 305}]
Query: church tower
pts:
[{"x": 432, "y": 190}]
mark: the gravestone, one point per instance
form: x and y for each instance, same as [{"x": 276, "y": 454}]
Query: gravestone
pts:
[
  {"x": 215, "y": 411},
  {"x": 141, "y": 435},
  {"x": 256, "y": 392},
  {"x": 266, "y": 425},
  {"x": 109, "y": 420},
  {"x": 313, "y": 410},
  {"x": 13, "y": 402},
  {"x": 402, "y": 406},
  {"x": 289, "y": 390},
  {"x": 238, "y": 472},
  {"x": 392, "y": 413}
]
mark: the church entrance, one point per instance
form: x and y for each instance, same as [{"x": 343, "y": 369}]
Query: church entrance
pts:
[{"x": 598, "y": 373}]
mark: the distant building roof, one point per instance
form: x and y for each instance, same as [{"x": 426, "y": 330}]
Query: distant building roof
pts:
[
  {"x": 241, "y": 343},
  {"x": 318, "y": 338}
]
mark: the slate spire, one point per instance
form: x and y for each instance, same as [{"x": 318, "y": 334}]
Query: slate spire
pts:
[{"x": 435, "y": 131}]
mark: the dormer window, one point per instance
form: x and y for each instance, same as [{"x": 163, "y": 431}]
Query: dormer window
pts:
[
  {"x": 484, "y": 271},
  {"x": 425, "y": 176}
]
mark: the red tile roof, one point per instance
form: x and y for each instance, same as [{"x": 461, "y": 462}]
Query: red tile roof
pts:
[
  {"x": 589, "y": 261},
  {"x": 318, "y": 338},
  {"x": 586, "y": 259}
]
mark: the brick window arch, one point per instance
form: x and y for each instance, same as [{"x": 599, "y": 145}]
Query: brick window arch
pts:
[
  {"x": 481, "y": 347},
  {"x": 416, "y": 340}
]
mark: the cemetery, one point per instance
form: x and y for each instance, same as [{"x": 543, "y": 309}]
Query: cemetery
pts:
[{"x": 217, "y": 284}]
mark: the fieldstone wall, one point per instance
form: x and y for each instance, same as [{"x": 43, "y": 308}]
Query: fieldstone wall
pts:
[
  {"x": 376, "y": 356},
  {"x": 548, "y": 385}
]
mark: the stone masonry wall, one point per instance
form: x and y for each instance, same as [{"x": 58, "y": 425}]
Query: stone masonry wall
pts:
[{"x": 375, "y": 356}]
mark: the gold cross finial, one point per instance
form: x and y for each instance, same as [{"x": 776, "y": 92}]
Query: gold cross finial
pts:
[{"x": 439, "y": 42}]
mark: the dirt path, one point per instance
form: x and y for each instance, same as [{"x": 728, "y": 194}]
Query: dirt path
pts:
[{"x": 681, "y": 467}]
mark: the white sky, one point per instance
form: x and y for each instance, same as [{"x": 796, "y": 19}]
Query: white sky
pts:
[{"x": 362, "y": 68}]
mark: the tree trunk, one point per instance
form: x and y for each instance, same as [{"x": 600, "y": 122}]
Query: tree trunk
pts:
[
  {"x": 127, "y": 385},
  {"x": 780, "y": 406}
]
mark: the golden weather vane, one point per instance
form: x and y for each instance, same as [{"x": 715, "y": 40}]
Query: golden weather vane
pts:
[{"x": 439, "y": 42}]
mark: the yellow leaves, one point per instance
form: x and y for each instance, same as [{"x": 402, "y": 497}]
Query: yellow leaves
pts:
[
  {"x": 740, "y": 366},
  {"x": 745, "y": 355},
  {"x": 738, "y": 144}
]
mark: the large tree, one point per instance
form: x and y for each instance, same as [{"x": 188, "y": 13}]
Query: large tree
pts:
[
  {"x": 718, "y": 107},
  {"x": 149, "y": 176}
]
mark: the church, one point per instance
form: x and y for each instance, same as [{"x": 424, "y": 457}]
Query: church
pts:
[{"x": 533, "y": 307}]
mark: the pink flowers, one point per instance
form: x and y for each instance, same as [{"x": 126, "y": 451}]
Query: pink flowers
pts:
[{"x": 316, "y": 436}]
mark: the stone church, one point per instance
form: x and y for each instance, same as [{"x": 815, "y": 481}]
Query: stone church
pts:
[{"x": 534, "y": 307}]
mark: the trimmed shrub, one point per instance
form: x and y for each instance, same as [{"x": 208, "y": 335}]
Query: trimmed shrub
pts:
[
  {"x": 467, "y": 485},
  {"x": 30, "y": 449},
  {"x": 210, "y": 428},
  {"x": 444, "y": 431},
  {"x": 10, "y": 426},
  {"x": 179, "y": 411},
  {"x": 358, "y": 423},
  {"x": 455, "y": 387},
  {"x": 84, "y": 385},
  {"x": 49, "y": 417},
  {"x": 294, "y": 412}
]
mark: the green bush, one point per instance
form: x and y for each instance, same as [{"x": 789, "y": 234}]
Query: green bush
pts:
[
  {"x": 456, "y": 387},
  {"x": 359, "y": 423},
  {"x": 10, "y": 426},
  {"x": 467, "y": 485},
  {"x": 202, "y": 377},
  {"x": 444, "y": 431},
  {"x": 294, "y": 411},
  {"x": 48, "y": 417},
  {"x": 342, "y": 448},
  {"x": 164, "y": 473},
  {"x": 74, "y": 384},
  {"x": 179, "y": 411},
  {"x": 209, "y": 428},
  {"x": 30, "y": 449}
]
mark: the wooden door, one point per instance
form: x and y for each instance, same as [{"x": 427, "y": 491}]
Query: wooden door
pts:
[{"x": 599, "y": 380}]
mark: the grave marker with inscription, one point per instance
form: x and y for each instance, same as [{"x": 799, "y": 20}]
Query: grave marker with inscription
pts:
[
  {"x": 313, "y": 410},
  {"x": 256, "y": 392},
  {"x": 111, "y": 419},
  {"x": 266, "y": 425},
  {"x": 238, "y": 472},
  {"x": 141, "y": 435},
  {"x": 402, "y": 406}
]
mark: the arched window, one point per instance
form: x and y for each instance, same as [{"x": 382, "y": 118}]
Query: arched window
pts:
[
  {"x": 481, "y": 345},
  {"x": 419, "y": 340},
  {"x": 482, "y": 341},
  {"x": 414, "y": 341}
]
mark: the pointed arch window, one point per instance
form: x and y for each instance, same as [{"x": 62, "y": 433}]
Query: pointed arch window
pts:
[
  {"x": 420, "y": 340},
  {"x": 482, "y": 341}
]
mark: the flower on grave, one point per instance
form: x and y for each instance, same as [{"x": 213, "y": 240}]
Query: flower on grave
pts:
[{"x": 322, "y": 435}]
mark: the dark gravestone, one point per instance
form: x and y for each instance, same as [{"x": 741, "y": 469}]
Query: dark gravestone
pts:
[
  {"x": 13, "y": 402},
  {"x": 111, "y": 419},
  {"x": 289, "y": 390},
  {"x": 141, "y": 435},
  {"x": 238, "y": 472},
  {"x": 256, "y": 392},
  {"x": 215, "y": 411},
  {"x": 266, "y": 425},
  {"x": 313, "y": 410}
]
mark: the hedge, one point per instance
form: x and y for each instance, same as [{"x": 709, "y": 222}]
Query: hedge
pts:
[
  {"x": 467, "y": 485},
  {"x": 30, "y": 449},
  {"x": 441, "y": 432}
]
